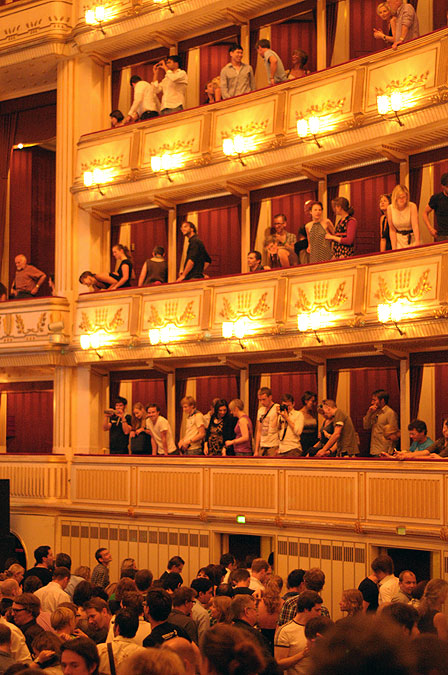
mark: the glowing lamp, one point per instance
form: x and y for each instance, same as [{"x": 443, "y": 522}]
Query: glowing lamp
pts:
[
  {"x": 383, "y": 104},
  {"x": 313, "y": 125},
  {"x": 227, "y": 329},
  {"x": 396, "y": 101},
  {"x": 302, "y": 128}
]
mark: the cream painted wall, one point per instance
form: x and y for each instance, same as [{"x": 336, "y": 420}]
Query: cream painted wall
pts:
[
  {"x": 427, "y": 407},
  {"x": 193, "y": 93},
  {"x": 34, "y": 531},
  {"x": 343, "y": 394},
  {"x": 261, "y": 78},
  {"x": 427, "y": 191},
  {"x": 341, "y": 51}
]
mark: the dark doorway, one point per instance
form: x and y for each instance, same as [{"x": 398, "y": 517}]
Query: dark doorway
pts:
[
  {"x": 418, "y": 562},
  {"x": 244, "y": 546}
]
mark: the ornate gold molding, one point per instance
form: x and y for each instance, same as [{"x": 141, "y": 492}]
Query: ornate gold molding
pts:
[
  {"x": 247, "y": 129},
  {"x": 244, "y": 308},
  {"x": 411, "y": 81},
  {"x": 101, "y": 320},
  {"x": 328, "y": 107},
  {"x": 111, "y": 161},
  {"x": 321, "y": 300},
  {"x": 403, "y": 290},
  {"x": 177, "y": 146},
  {"x": 171, "y": 314},
  {"x": 40, "y": 326}
]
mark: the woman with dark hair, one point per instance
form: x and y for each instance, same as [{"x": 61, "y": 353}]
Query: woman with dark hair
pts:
[
  {"x": 220, "y": 429},
  {"x": 124, "y": 273},
  {"x": 299, "y": 59},
  {"x": 385, "y": 244},
  {"x": 80, "y": 657},
  {"x": 227, "y": 650},
  {"x": 140, "y": 443},
  {"x": 345, "y": 229},
  {"x": 319, "y": 247},
  {"x": 309, "y": 434}
]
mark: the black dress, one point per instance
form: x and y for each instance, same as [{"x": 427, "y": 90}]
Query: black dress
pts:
[
  {"x": 141, "y": 444},
  {"x": 118, "y": 275}
]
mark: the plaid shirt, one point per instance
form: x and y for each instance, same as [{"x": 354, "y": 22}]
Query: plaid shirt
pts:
[
  {"x": 289, "y": 610},
  {"x": 100, "y": 576}
]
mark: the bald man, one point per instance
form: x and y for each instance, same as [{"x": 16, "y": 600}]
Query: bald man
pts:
[
  {"x": 188, "y": 652},
  {"x": 28, "y": 279}
]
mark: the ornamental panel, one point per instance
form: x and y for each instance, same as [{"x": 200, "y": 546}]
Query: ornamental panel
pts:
[
  {"x": 180, "y": 489},
  {"x": 411, "y": 74},
  {"x": 414, "y": 284},
  {"x": 113, "y": 318},
  {"x": 244, "y": 490},
  {"x": 404, "y": 498},
  {"x": 176, "y": 138},
  {"x": 333, "y": 294},
  {"x": 29, "y": 322},
  {"x": 322, "y": 493},
  {"x": 101, "y": 484},
  {"x": 326, "y": 101},
  {"x": 254, "y": 122},
  {"x": 183, "y": 310},
  {"x": 113, "y": 155},
  {"x": 22, "y": 24},
  {"x": 256, "y": 303}
]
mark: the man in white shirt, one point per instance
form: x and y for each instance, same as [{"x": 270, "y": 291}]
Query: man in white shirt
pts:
[
  {"x": 290, "y": 646},
  {"x": 53, "y": 594},
  {"x": 259, "y": 574},
  {"x": 266, "y": 433},
  {"x": 290, "y": 426},
  {"x": 173, "y": 85},
  {"x": 145, "y": 104},
  {"x": 161, "y": 432},
  {"x": 191, "y": 443},
  {"x": 389, "y": 585},
  {"x": 122, "y": 645}
]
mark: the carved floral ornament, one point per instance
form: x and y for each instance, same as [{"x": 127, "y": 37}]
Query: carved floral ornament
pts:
[
  {"x": 321, "y": 300},
  {"x": 101, "y": 321},
  {"x": 7, "y": 322},
  {"x": 111, "y": 161},
  {"x": 171, "y": 315},
  {"x": 245, "y": 307},
  {"x": 179, "y": 146},
  {"x": 403, "y": 289},
  {"x": 250, "y": 129},
  {"x": 328, "y": 107},
  {"x": 410, "y": 81}
]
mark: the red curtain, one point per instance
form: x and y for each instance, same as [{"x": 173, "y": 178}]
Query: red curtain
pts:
[
  {"x": 293, "y": 206},
  {"x": 29, "y": 422},
  {"x": 220, "y": 230},
  {"x": 145, "y": 235},
  {"x": 362, "y": 383},
  {"x": 293, "y": 383},
  {"x": 32, "y": 209},
  {"x": 8, "y": 124},
  {"x": 116, "y": 86},
  {"x": 150, "y": 391},
  {"x": 363, "y": 19},
  {"x": 439, "y": 169},
  {"x": 415, "y": 184},
  {"x": 364, "y": 199},
  {"x": 441, "y": 387},
  {"x": 252, "y": 404},
  {"x": 439, "y": 14},
  {"x": 208, "y": 388},
  {"x": 212, "y": 58},
  {"x": 416, "y": 380},
  {"x": 295, "y": 34},
  {"x": 331, "y": 21}
]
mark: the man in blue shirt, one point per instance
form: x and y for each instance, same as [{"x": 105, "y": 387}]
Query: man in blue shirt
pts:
[{"x": 418, "y": 434}]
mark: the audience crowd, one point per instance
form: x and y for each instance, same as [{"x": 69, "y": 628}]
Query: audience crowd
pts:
[
  {"x": 279, "y": 430},
  {"x": 234, "y": 618}
]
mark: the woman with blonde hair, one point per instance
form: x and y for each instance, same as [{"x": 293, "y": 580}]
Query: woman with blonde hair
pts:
[
  {"x": 402, "y": 216},
  {"x": 219, "y": 608},
  {"x": 140, "y": 438},
  {"x": 269, "y": 609},
  {"x": 384, "y": 12},
  {"x": 152, "y": 661},
  {"x": 351, "y": 602},
  {"x": 15, "y": 571},
  {"x": 432, "y": 619}
]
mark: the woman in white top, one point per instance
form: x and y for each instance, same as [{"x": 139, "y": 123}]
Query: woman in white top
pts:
[{"x": 402, "y": 217}]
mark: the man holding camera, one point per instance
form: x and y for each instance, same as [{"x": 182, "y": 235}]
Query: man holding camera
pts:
[
  {"x": 113, "y": 422},
  {"x": 290, "y": 426},
  {"x": 173, "y": 86}
]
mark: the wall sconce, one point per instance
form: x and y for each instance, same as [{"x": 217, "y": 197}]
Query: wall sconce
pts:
[
  {"x": 96, "y": 17},
  {"x": 237, "y": 329},
  {"x": 238, "y": 145},
  {"x": 392, "y": 103},
  {"x": 162, "y": 336},
  {"x": 162, "y": 2},
  {"x": 167, "y": 162},
  {"x": 97, "y": 177},
  {"x": 94, "y": 341},
  {"x": 309, "y": 127},
  {"x": 392, "y": 312},
  {"x": 312, "y": 321}
]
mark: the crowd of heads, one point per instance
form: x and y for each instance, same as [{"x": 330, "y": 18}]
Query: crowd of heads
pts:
[{"x": 233, "y": 618}]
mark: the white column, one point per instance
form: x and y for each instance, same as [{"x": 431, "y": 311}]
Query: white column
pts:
[
  {"x": 321, "y": 35},
  {"x": 405, "y": 402},
  {"x": 62, "y": 407},
  {"x": 172, "y": 245},
  {"x": 171, "y": 400},
  {"x": 87, "y": 412},
  {"x": 341, "y": 51}
]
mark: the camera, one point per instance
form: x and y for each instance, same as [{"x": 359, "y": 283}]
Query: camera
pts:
[
  {"x": 109, "y": 411},
  {"x": 283, "y": 407}
]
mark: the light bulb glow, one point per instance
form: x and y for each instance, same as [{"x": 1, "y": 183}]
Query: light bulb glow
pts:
[
  {"x": 239, "y": 144},
  {"x": 240, "y": 328},
  {"x": 84, "y": 341},
  {"x": 302, "y": 128},
  {"x": 313, "y": 125},
  {"x": 156, "y": 163},
  {"x": 397, "y": 311},
  {"x": 227, "y": 329},
  {"x": 100, "y": 13},
  {"x": 165, "y": 333},
  {"x": 227, "y": 146},
  {"x": 396, "y": 101},
  {"x": 303, "y": 322},
  {"x": 383, "y": 311},
  {"x": 383, "y": 104},
  {"x": 154, "y": 336},
  {"x": 88, "y": 178}
]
